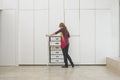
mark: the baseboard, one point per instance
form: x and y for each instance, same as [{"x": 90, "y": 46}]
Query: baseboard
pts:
[{"x": 52, "y": 64}]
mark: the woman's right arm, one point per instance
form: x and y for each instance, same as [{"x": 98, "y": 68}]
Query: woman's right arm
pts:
[
  {"x": 60, "y": 30},
  {"x": 49, "y": 35}
]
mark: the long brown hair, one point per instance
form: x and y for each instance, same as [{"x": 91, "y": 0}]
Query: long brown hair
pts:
[
  {"x": 63, "y": 25},
  {"x": 66, "y": 30}
]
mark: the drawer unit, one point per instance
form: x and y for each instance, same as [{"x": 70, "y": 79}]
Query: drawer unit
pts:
[
  {"x": 55, "y": 51},
  {"x": 57, "y": 56},
  {"x": 57, "y": 60}
]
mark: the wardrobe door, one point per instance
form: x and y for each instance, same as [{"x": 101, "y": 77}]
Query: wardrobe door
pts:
[
  {"x": 104, "y": 36},
  {"x": 10, "y": 4},
  {"x": 104, "y": 4},
  {"x": 87, "y": 4},
  {"x": 74, "y": 49},
  {"x": 41, "y": 41},
  {"x": 8, "y": 38},
  {"x": 72, "y": 4},
  {"x": 56, "y": 14},
  {"x": 72, "y": 21},
  {"x": 1, "y": 4},
  {"x": 26, "y": 37},
  {"x": 87, "y": 37},
  {"x": 41, "y": 4},
  {"x": 26, "y": 4}
]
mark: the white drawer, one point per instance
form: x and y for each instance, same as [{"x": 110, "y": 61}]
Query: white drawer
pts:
[
  {"x": 56, "y": 52},
  {"x": 55, "y": 43},
  {"x": 56, "y": 56},
  {"x": 55, "y": 39},
  {"x": 57, "y": 60},
  {"x": 55, "y": 48}
]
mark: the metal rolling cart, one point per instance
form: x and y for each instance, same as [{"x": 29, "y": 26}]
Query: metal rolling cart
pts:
[{"x": 55, "y": 52}]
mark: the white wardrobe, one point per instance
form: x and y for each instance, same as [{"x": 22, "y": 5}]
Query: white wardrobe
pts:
[
  {"x": 93, "y": 25},
  {"x": 33, "y": 20}
]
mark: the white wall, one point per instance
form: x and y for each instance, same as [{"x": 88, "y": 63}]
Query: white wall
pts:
[
  {"x": 93, "y": 25},
  {"x": 115, "y": 22},
  {"x": 119, "y": 28},
  {"x": 104, "y": 35}
]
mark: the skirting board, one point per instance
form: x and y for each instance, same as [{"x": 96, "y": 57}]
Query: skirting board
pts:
[{"x": 61, "y": 65}]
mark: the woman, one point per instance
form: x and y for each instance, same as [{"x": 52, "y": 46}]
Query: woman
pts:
[{"x": 64, "y": 43}]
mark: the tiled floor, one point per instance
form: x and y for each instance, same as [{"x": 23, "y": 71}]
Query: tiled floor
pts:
[{"x": 57, "y": 73}]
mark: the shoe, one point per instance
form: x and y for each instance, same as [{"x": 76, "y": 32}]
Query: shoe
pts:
[
  {"x": 73, "y": 66},
  {"x": 64, "y": 66}
]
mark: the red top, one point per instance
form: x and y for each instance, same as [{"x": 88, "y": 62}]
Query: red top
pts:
[{"x": 64, "y": 37}]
